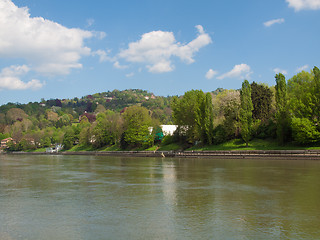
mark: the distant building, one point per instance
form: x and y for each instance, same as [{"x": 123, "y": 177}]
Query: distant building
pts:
[
  {"x": 168, "y": 129},
  {"x": 4, "y": 142},
  {"x": 57, "y": 148}
]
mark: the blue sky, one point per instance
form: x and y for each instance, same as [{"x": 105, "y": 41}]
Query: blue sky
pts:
[{"x": 65, "y": 49}]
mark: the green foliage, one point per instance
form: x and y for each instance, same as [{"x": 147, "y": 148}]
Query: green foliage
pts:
[
  {"x": 261, "y": 97},
  {"x": 85, "y": 137},
  {"x": 204, "y": 118},
  {"x": 246, "y": 111},
  {"x": 137, "y": 122},
  {"x": 157, "y": 134},
  {"x": 220, "y": 134},
  {"x": 282, "y": 116},
  {"x": 304, "y": 131},
  {"x": 301, "y": 95},
  {"x": 212, "y": 118},
  {"x": 168, "y": 140},
  {"x": 3, "y": 136},
  {"x": 69, "y": 138},
  {"x": 108, "y": 129},
  {"x": 304, "y": 95},
  {"x": 193, "y": 113},
  {"x": 227, "y": 113}
]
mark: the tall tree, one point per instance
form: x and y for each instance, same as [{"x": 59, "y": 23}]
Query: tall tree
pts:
[
  {"x": 137, "y": 122},
  {"x": 226, "y": 112},
  {"x": 282, "y": 116},
  {"x": 304, "y": 106},
  {"x": 193, "y": 113},
  {"x": 246, "y": 111},
  {"x": 261, "y": 97},
  {"x": 316, "y": 73},
  {"x": 204, "y": 118},
  {"x": 108, "y": 128}
]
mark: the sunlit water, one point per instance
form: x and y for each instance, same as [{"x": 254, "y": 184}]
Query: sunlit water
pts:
[{"x": 89, "y": 197}]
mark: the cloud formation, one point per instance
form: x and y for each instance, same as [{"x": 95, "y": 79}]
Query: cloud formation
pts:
[
  {"x": 279, "y": 70},
  {"x": 156, "y": 49},
  {"x": 299, "y": 5},
  {"x": 211, "y": 73},
  {"x": 303, "y": 68},
  {"x": 274, "y": 21},
  {"x": 46, "y": 47},
  {"x": 119, "y": 66},
  {"x": 240, "y": 71},
  {"x": 10, "y": 79}
]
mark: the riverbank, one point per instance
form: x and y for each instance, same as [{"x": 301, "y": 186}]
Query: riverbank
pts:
[{"x": 249, "y": 154}]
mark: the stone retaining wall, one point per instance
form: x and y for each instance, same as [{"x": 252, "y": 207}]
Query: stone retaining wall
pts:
[{"x": 274, "y": 154}]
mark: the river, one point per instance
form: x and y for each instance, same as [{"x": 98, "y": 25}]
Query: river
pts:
[{"x": 92, "y": 197}]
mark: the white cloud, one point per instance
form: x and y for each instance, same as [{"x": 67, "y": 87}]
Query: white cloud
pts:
[
  {"x": 274, "y": 21},
  {"x": 240, "y": 71},
  {"x": 156, "y": 49},
  {"x": 299, "y": 5},
  {"x": 211, "y": 73},
  {"x": 98, "y": 34},
  {"x": 103, "y": 55},
  {"x": 119, "y": 66},
  {"x": 47, "y": 47},
  {"x": 10, "y": 79},
  {"x": 303, "y": 68},
  {"x": 279, "y": 70}
]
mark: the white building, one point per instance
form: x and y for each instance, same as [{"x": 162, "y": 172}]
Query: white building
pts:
[{"x": 168, "y": 129}]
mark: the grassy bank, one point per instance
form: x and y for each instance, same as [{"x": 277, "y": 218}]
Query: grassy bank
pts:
[
  {"x": 255, "y": 144},
  {"x": 233, "y": 145}
]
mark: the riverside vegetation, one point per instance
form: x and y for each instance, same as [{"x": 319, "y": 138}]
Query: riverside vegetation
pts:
[{"x": 252, "y": 117}]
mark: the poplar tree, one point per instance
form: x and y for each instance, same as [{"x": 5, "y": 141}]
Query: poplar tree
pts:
[
  {"x": 204, "y": 118},
  {"x": 246, "y": 111},
  {"x": 282, "y": 116},
  {"x": 316, "y": 73}
]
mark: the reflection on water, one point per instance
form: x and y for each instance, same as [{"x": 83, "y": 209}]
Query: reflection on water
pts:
[{"x": 83, "y": 197}]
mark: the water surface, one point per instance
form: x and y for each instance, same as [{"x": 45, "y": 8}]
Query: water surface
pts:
[{"x": 91, "y": 197}]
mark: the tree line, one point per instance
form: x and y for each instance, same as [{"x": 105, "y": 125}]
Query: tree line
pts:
[{"x": 288, "y": 112}]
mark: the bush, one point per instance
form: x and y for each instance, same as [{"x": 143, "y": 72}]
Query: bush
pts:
[
  {"x": 219, "y": 135},
  {"x": 304, "y": 131},
  {"x": 168, "y": 140}
]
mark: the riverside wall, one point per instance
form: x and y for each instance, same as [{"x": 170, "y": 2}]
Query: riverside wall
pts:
[{"x": 272, "y": 154}]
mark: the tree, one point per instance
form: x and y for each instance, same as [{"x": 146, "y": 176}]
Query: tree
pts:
[
  {"x": 246, "y": 111},
  {"x": 204, "y": 118},
  {"x": 15, "y": 114},
  {"x": 261, "y": 97},
  {"x": 282, "y": 116},
  {"x": 136, "y": 123},
  {"x": 316, "y": 91},
  {"x": 304, "y": 101},
  {"x": 68, "y": 138},
  {"x": 227, "y": 113},
  {"x": 108, "y": 129},
  {"x": 304, "y": 131},
  {"x": 157, "y": 134},
  {"x": 193, "y": 113}
]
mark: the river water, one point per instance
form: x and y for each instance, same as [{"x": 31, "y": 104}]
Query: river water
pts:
[{"x": 91, "y": 197}]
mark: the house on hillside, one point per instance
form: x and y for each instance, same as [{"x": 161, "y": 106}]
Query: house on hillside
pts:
[
  {"x": 168, "y": 129},
  {"x": 57, "y": 148},
  {"x": 4, "y": 142}
]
